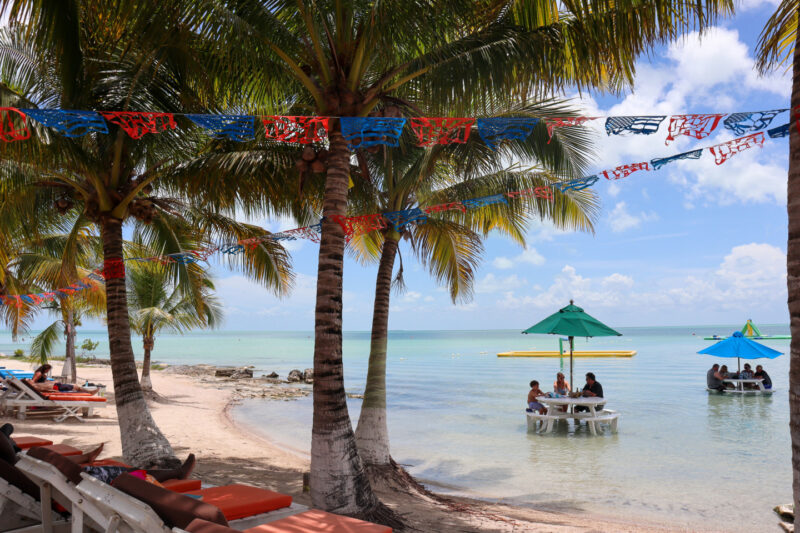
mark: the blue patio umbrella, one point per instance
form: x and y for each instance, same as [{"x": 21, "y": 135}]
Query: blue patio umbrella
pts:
[{"x": 740, "y": 347}]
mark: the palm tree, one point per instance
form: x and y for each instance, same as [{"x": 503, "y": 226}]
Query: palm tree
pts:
[
  {"x": 777, "y": 45},
  {"x": 159, "y": 304},
  {"x": 450, "y": 244},
  {"x": 101, "y": 55},
  {"x": 434, "y": 58},
  {"x": 55, "y": 261}
]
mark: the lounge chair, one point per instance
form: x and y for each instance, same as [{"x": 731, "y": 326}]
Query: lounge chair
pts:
[
  {"x": 306, "y": 522},
  {"x": 26, "y": 442},
  {"x": 247, "y": 506},
  {"x": 21, "y": 395},
  {"x": 5, "y": 373},
  {"x": 162, "y": 512},
  {"x": 21, "y": 507}
]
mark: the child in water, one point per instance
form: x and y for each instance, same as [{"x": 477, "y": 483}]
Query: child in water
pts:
[{"x": 534, "y": 405}]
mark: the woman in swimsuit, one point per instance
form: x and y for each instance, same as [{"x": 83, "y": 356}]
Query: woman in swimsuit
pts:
[
  {"x": 40, "y": 380},
  {"x": 561, "y": 385}
]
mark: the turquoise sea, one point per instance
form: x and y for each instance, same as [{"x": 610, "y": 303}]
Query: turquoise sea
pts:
[{"x": 456, "y": 419}]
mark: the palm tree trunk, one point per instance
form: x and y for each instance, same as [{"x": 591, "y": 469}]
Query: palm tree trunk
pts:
[
  {"x": 145, "y": 382},
  {"x": 793, "y": 281},
  {"x": 143, "y": 444},
  {"x": 372, "y": 433},
  {"x": 69, "y": 372},
  {"x": 338, "y": 480}
]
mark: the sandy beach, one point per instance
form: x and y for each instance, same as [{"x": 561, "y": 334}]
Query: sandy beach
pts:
[{"x": 194, "y": 414}]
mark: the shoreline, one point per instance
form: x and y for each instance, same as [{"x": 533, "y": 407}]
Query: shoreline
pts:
[{"x": 230, "y": 452}]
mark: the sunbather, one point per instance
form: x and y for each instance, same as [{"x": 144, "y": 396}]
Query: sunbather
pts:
[
  {"x": 8, "y": 451},
  {"x": 40, "y": 382}
]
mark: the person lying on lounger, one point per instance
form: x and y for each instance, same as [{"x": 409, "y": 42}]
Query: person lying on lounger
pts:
[
  {"x": 40, "y": 382},
  {"x": 9, "y": 450}
]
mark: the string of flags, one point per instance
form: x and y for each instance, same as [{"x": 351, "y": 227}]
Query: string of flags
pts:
[
  {"x": 364, "y": 132},
  {"x": 351, "y": 225},
  {"x": 371, "y": 131}
]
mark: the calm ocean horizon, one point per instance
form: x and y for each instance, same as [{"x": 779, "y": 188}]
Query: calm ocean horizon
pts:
[{"x": 456, "y": 419}]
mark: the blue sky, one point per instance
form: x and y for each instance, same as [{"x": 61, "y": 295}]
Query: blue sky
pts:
[{"x": 693, "y": 243}]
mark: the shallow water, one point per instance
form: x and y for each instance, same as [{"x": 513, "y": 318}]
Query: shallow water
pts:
[{"x": 456, "y": 419}]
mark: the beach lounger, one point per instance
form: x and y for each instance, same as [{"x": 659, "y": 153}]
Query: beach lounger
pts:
[
  {"x": 21, "y": 507},
  {"x": 20, "y": 396},
  {"x": 91, "y": 499},
  {"x": 5, "y": 373},
  {"x": 27, "y": 442},
  {"x": 179, "y": 514},
  {"x": 312, "y": 521}
]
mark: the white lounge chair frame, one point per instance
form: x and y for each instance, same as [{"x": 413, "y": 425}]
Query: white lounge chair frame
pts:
[
  {"x": 54, "y": 486},
  {"x": 21, "y": 513},
  {"x": 19, "y": 396}
]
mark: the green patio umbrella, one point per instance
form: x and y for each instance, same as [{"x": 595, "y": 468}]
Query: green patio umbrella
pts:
[{"x": 572, "y": 322}]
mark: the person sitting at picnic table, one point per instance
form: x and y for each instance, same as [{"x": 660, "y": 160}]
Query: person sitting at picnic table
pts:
[
  {"x": 533, "y": 405},
  {"x": 561, "y": 385},
  {"x": 592, "y": 389},
  {"x": 714, "y": 379},
  {"x": 724, "y": 374},
  {"x": 763, "y": 376},
  {"x": 40, "y": 382},
  {"x": 747, "y": 373}
]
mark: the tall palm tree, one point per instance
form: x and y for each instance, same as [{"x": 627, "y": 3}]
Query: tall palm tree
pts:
[
  {"x": 450, "y": 244},
  {"x": 99, "y": 55},
  {"x": 432, "y": 57},
  {"x": 778, "y": 45},
  {"x": 58, "y": 260},
  {"x": 158, "y": 304}
]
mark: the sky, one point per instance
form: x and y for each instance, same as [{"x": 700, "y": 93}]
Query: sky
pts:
[{"x": 691, "y": 244}]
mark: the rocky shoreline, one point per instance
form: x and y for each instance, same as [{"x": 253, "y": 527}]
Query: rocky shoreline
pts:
[{"x": 244, "y": 385}]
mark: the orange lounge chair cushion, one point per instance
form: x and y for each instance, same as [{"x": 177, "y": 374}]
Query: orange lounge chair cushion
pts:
[
  {"x": 62, "y": 449},
  {"x": 308, "y": 522},
  {"x": 176, "y": 510},
  {"x": 73, "y": 397},
  {"x": 315, "y": 520},
  {"x": 29, "y": 442},
  {"x": 182, "y": 485},
  {"x": 239, "y": 501}
]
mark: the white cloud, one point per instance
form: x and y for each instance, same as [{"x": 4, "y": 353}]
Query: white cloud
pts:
[
  {"x": 411, "y": 297},
  {"x": 713, "y": 72},
  {"x": 503, "y": 263},
  {"x": 492, "y": 284},
  {"x": 746, "y": 5},
  {"x": 751, "y": 277},
  {"x": 242, "y": 297},
  {"x": 620, "y": 219},
  {"x": 529, "y": 256}
]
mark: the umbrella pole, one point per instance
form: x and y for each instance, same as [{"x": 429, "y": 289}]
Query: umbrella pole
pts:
[{"x": 571, "y": 347}]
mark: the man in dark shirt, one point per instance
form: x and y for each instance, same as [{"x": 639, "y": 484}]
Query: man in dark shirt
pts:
[
  {"x": 712, "y": 379},
  {"x": 763, "y": 376},
  {"x": 591, "y": 389}
]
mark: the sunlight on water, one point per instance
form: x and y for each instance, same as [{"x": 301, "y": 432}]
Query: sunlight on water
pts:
[{"x": 456, "y": 419}]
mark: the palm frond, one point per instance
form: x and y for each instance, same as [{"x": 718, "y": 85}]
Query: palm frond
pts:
[{"x": 43, "y": 344}]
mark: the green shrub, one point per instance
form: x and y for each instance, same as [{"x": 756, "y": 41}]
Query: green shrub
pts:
[
  {"x": 19, "y": 352},
  {"x": 89, "y": 346}
]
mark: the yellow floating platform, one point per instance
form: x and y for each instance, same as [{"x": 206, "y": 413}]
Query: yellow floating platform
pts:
[{"x": 555, "y": 353}]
